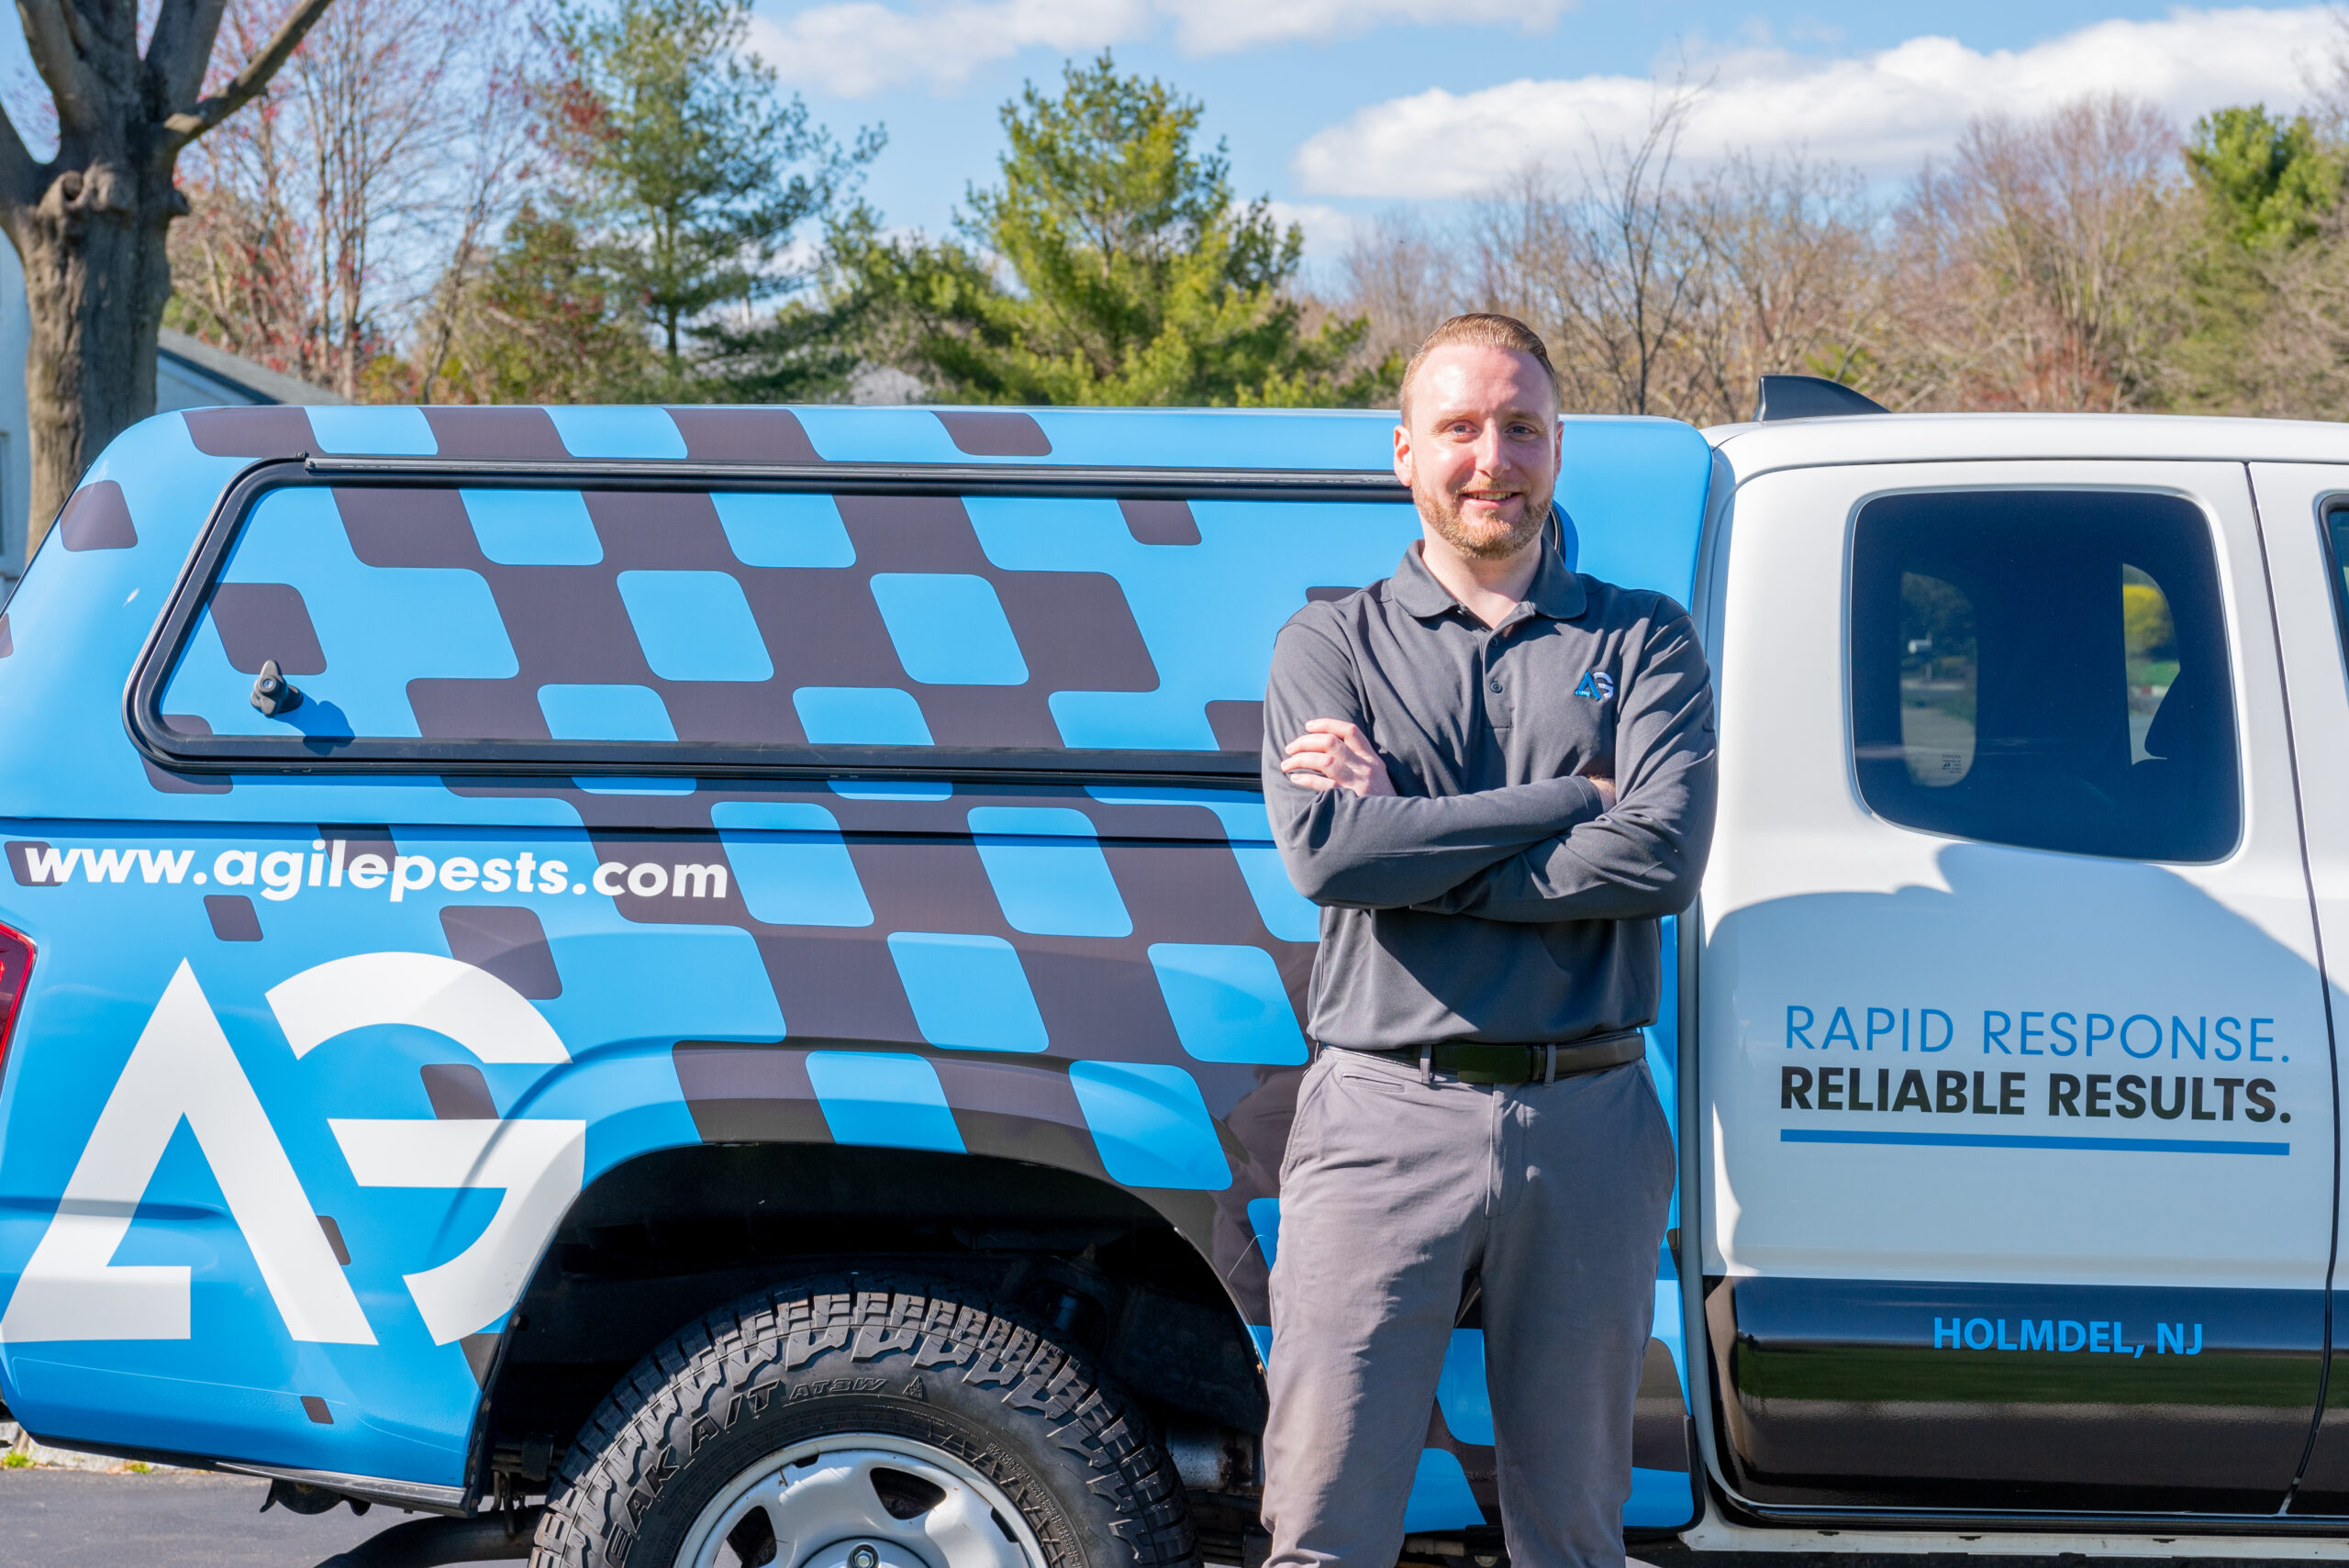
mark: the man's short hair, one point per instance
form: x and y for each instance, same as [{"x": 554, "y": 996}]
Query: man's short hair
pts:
[{"x": 1482, "y": 329}]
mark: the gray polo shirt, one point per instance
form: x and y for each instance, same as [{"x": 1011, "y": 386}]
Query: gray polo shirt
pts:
[{"x": 1489, "y": 898}]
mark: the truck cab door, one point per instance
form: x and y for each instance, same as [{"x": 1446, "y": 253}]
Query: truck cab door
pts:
[
  {"x": 2015, "y": 1085},
  {"x": 2304, "y": 522}
]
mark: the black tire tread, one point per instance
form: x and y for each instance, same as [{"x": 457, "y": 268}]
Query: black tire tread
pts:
[{"x": 694, "y": 1384}]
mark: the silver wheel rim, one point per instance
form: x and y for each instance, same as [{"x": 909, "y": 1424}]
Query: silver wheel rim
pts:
[{"x": 828, "y": 1504}]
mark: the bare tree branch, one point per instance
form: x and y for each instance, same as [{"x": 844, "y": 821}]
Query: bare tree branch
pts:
[
  {"x": 49, "y": 38},
  {"x": 187, "y": 126},
  {"x": 181, "y": 48}
]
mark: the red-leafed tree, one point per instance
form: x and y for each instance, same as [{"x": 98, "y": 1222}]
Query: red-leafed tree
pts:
[
  {"x": 331, "y": 220},
  {"x": 90, "y": 223}
]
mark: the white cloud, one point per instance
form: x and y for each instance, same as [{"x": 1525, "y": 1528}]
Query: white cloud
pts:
[
  {"x": 1884, "y": 112},
  {"x": 859, "y": 48},
  {"x": 1328, "y": 232},
  {"x": 1218, "y": 27},
  {"x": 855, "y": 48}
]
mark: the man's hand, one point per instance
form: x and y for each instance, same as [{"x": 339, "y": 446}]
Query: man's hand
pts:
[
  {"x": 1606, "y": 787},
  {"x": 1333, "y": 753}
]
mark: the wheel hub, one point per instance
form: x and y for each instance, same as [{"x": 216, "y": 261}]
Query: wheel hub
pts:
[
  {"x": 862, "y": 1554},
  {"x": 860, "y": 1500}
]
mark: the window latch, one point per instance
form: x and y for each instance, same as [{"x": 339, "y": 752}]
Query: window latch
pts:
[{"x": 272, "y": 693}]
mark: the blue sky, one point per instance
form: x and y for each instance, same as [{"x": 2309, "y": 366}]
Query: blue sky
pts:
[{"x": 1338, "y": 109}]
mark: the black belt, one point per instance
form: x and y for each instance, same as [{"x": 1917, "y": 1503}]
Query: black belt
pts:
[{"x": 1480, "y": 1062}]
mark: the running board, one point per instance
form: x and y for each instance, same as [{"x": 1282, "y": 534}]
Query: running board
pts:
[
  {"x": 411, "y": 1494},
  {"x": 1716, "y": 1534}
]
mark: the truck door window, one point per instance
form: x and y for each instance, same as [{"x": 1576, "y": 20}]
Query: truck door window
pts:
[
  {"x": 2336, "y": 538},
  {"x": 2046, "y": 669}
]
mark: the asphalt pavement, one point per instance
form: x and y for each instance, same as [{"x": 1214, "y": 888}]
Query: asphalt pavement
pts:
[{"x": 73, "y": 1518}]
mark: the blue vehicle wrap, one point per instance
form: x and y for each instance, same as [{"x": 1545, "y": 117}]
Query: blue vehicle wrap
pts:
[{"x": 314, "y": 1058}]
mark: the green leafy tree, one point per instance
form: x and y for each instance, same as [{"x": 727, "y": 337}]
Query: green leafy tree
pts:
[
  {"x": 809, "y": 349},
  {"x": 689, "y": 173},
  {"x": 1111, "y": 265},
  {"x": 542, "y": 322},
  {"x": 804, "y": 353},
  {"x": 2267, "y": 189},
  {"x": 2269, "y": 182}
]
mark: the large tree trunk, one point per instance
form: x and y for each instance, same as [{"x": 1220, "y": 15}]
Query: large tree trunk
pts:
[
  {"x": 95, "y": 282},
  {"x": 89, "y": 225}
]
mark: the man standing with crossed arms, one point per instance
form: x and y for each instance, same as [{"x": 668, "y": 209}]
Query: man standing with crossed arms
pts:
[{"x": 1494, "y": 775}]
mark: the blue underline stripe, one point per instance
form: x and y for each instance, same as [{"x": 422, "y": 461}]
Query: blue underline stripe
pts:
[{"x": 2024, "y": 1141}]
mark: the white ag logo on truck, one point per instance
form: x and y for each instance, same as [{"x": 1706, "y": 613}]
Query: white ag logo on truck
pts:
[{"x": 183, "y": 1069}]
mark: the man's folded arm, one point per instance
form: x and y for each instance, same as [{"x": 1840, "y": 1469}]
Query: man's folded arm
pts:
[
  {"x": 1645, "y": 856},
  {"x": 1385, "y": 852}
]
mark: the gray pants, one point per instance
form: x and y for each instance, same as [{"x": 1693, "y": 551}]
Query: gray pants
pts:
[{"x": 1394, "y": 1189}]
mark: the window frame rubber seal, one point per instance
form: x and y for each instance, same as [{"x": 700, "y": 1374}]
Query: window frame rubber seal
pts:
[{"x": 262, "y": 755}]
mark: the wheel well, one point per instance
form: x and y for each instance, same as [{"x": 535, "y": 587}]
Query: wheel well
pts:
[{"x": 653, "y": 1244}]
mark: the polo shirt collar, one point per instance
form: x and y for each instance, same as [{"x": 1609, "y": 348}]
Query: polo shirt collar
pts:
[{"x": 1556, "y": 593}]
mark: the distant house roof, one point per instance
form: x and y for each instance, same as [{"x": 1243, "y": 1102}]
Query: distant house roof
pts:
[{"x": 208, "y": 374}]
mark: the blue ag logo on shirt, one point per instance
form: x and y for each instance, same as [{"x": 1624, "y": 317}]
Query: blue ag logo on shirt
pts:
[{"x": 1598, "y": 685}]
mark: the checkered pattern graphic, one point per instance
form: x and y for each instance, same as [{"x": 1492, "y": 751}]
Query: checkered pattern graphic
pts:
[
  {"x": 1109, "y": 981},
  {"x": 1042, "y": 975},
  {"x": 508, "y": 614}
]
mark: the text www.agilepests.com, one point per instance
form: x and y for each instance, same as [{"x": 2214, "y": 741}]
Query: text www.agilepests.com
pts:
[{"x": 281, "y": 874}]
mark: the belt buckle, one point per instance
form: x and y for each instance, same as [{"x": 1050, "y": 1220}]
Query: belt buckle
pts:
[{"x": 1549, "y": 1064}]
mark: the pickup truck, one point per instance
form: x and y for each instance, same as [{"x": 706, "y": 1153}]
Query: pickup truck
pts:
[{"x": 713, "y": 984}]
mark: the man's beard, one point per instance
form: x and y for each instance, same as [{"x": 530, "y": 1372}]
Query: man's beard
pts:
[{"x": 1442, "y": 513}]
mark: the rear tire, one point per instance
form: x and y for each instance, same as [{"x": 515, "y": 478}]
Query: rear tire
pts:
[{"x": 979, "y": 1400}]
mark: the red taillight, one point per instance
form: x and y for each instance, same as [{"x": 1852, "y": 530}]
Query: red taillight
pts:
[{"x": 15, "y": 968}]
